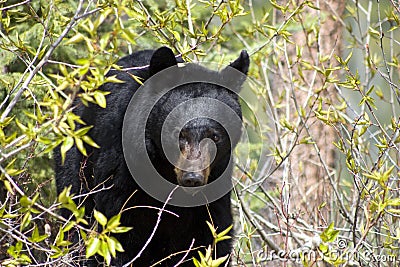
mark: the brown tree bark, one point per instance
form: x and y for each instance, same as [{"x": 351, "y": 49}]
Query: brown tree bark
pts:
[
  {"x": 311, "y": 167},
  {"x": 314, "y": 165}
]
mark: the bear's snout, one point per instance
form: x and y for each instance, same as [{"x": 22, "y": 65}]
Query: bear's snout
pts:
[
  {"x": 192, "y": 179},
  {"x": 193, "y": 166}
]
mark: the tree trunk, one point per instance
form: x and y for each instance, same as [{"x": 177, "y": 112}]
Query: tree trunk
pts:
[{"x": 308, "y": 174}]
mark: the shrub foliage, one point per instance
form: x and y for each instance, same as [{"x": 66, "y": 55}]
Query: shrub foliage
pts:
[{"x": 325, "y": 186}]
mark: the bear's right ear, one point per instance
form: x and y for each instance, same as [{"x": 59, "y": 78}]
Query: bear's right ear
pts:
[
  {"x": 242, "y": 62},
  {"x": 161, "y": 59},
  {"x": 233, "y": 79}
]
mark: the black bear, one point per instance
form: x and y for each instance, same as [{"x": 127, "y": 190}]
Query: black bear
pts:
[{"x": 182, "y": 228}]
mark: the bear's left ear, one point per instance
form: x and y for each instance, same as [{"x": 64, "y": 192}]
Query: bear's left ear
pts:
[
  {"x": 161, "y": 59},
  {"x": 241, "y": 64}
]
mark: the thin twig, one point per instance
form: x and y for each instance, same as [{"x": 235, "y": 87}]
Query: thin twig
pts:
[
  {"x": 14, "y": 5},
  {"x": 154, "y": 229}
]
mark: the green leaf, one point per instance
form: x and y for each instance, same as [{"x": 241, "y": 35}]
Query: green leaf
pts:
[
  {"x": 346, "y": 61},
  {"x": 57, "y": 252},
  {"x": 100, "y": 99},
  {"x": 330, "y": 234},
  {"x": 224, "y": 233},
  {"x": 66, "y": 145},
  {"x": 80, "y": 146},
  {"x": 75, "y": 39},
  {"x": 21, "y": 126},
  {"x": 393, "y": 202},
  {"x": 118, "y": 246},
  {"x": 82, "y": 131},
  {"x": 136, "y": 78},
  {"x": 24, "y": 258},
  {"x": 113, "y": 79},
  {"x": 92, "y": 246},
  {"x": 372, "y": 31},
  {"x": 8, "y": 186},
  {"x": 36, "y": 237},
  {"x": 69, "y": 226},
  {"x": 103, "y": 251},
  {"x": 212, "y": 229},
  {"x": 120, "y": 229},
  {"x": 111, "y": 246},
  {"x": 114, "y": 222},
  {"x": 100, "y": 218},
  {"x": 64, "y": 196},
  {"x": 196, "y": 262},
  {"x": 219, "y": 261},
  {"x": 88, "y": 140},
  {"x": 25, "y": 201},
  {"x": 25, "y": 221}
]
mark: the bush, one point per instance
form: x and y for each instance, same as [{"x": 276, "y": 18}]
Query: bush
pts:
[{"x": 319, "y": 180}]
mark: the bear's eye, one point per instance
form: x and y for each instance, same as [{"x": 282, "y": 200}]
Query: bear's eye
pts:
[
  {"x": 183, "y": 141},
  {"x": 215, "y": 137}
]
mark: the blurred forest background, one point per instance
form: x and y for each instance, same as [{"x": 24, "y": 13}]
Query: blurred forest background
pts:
[{"x": 318, "y": 183}]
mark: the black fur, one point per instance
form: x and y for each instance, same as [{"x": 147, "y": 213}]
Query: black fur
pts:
[{"x": 107, "y": 165}]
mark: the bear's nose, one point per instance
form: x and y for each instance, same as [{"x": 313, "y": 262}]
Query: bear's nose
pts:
[{"x": 192, "y": 179}]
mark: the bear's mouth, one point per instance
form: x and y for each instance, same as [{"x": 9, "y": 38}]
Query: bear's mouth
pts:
[{"x": 193, "y": 166}]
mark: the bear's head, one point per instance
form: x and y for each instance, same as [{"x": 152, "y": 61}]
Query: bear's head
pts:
[{"x": 193, "y": 127}]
